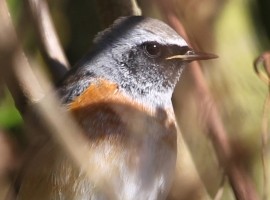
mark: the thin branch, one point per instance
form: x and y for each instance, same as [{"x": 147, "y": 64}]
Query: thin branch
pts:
[
  {"x": 45, "y": 115},
  {"x": 219, "y": 194},
  {"x": 264, "y": 75},
  {"x": 48, "y": 39},
  {"x": 9, "y": 162},
  {"x": 24, "y": 89},
  {"x": 240, "y": 181},
  {"x": 112, "y": 9}
]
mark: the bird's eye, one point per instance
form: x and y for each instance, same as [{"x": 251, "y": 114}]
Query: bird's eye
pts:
[{"x": 153, "y": 50}]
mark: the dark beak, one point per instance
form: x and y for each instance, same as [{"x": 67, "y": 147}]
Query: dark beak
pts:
[{"x": 191, "y": 55}]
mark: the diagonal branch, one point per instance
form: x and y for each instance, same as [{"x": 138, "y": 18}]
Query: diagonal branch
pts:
[
  {"x": 48, "y": 39},
  {"x": 109, "y": 10},
  {"x": 23, "y": 86},
  {"x": 43, "y": 115},
  {"x": 241, "y": 183},
  {"x": 262, "y": 69}
]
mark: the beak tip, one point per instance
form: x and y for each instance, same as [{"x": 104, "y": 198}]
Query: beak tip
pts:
[
  {"x": 204, "y": 56},
  {"x": 213, "y": 56},
  {"x": 194, "y": 56}
]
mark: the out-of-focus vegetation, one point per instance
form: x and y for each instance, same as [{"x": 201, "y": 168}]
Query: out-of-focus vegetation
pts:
[
  {"x": 239, "y": 93},
  {"x": 237, "y": 89},
  {"x": 9, "y": 116},
  {"x": 242, "y": 32}
]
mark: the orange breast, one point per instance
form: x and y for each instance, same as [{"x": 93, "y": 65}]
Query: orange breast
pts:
[
  {"x": 104, "y": 112},
  {"x": 98, "y": 92},
  {"x": 131, "y": 145}
]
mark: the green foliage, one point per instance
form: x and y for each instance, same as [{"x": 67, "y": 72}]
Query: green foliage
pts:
[
  {"x": 9, "y": 116},
  {"x": 15, "y": 8}
]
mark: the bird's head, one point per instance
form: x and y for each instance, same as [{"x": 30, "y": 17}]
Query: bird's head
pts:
[{"x": 144, "y": 56}]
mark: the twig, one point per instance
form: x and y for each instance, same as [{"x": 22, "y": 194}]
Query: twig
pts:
[
  {"x": 24, "y": 89},
  {"x": 241, "y": 183},
  {"x": 47, "y": 37},
  {"x": 265, "y": 77},
  {"x": 112, "y": 9},
  {"x": 9, "y": 163},
  {"x": 45, "y": 116},
  {"x": 220, "y": 191}
]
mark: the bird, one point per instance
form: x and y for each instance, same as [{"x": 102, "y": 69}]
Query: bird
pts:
[{"x": 120, "y": 94}]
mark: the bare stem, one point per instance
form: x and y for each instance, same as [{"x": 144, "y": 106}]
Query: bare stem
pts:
[
  {"x": 264, "y": 74},
  {"x": 112, "y": 9},
  {"x": 48, "y": 39},
  {"x": 241, "y": 183},
  {"x": 44, "y": 115},
  {"x": 23, "y": 85}
]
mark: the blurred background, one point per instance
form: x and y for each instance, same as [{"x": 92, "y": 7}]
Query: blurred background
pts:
[{"x": 236, "y": 30}]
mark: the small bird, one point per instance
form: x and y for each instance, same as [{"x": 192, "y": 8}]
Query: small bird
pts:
[{"x": 120, "y": 94}]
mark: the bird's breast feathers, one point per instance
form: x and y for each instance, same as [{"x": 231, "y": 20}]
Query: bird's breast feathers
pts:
[
  {"x": 133, "y": 148},
  {"x": 136, "y": 144},
  {"x": 103, "y": 110}
]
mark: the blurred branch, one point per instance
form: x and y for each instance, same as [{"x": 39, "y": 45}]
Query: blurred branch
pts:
[
  {"x": 112, "y": 9},
  {"x": 9, "y": 162},
  {"x": 43, "y": 115},
  {"x": 48, "y": 39},
  {"x": 240, "y": 181},
  {"x": 25, "y": 89},
  {"x": 218, "y": 195},
  {"x": 264, "y": 75}
]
